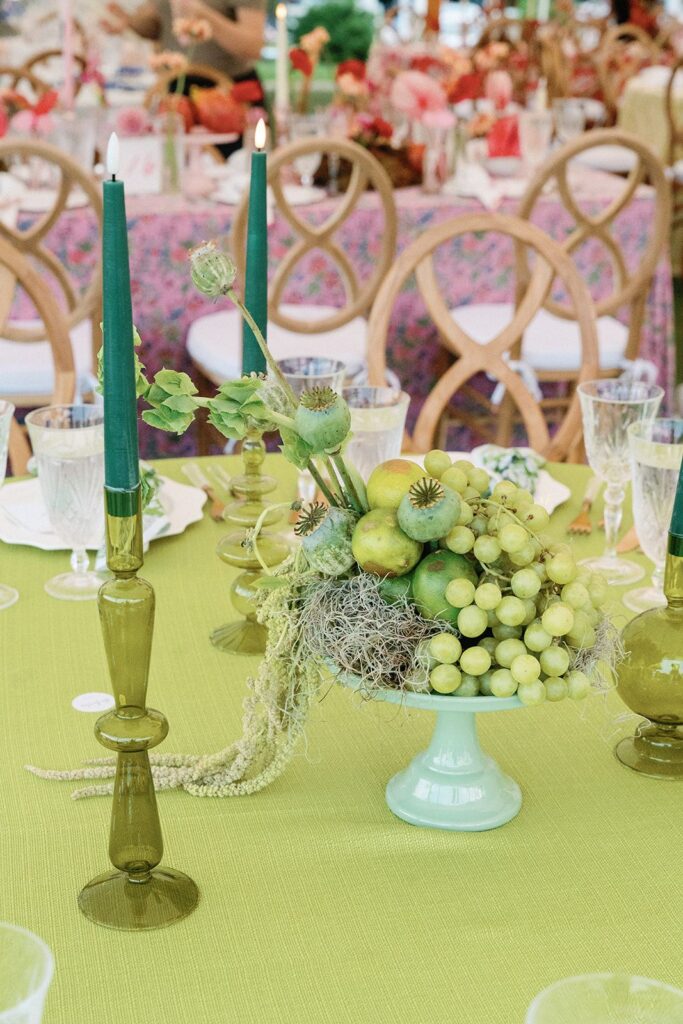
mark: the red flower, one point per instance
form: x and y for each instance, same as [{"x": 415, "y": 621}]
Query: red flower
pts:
[
  {"x": 382, "y": 128},
  {"x": 46, "y": 103},
  {"x": 466, "y": 87},
  {"x": 425, "y": 62},
  {"x": 301, "y": 61},
  {"x": 218, "y": 112},
  {"x": 247, "y": 92},
  {"x": 351, "y": 67},
  {"x": 432, "y": 22}
]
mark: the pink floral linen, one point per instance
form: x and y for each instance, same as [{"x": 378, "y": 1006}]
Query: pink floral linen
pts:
[{"x": 162, "y": 229}]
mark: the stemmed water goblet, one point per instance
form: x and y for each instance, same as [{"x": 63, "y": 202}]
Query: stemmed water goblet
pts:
[
  {"x": 608, "y": 408},
  {"x": 303, "y": 373},
  {"x": 8, "y": 595},
  {"x": 656, "y": 453},
  {"x": 378, "y": 419},
  {"x": 306, "y": 126},
  {"x": 68, "y": 443}
]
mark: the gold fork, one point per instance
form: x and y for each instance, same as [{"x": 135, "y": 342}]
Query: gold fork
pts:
[{"x": 582, "y": 524}]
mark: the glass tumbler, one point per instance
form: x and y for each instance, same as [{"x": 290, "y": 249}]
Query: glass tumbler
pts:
[
  {"x": 378, "y": 419},
  {"x": 26, "y": 968},
  {"x": 303, "y": 373},
  {"x": 608, "y": 408},
  {"x": 8, "y": 595},
  {"x": 68, "y": 443},
  {"x": 607, "y": 999},
  {"x": 535, "y": 134},
  {"x": 656, "y": 454}
]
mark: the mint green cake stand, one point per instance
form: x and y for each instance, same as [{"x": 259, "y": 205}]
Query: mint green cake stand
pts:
[{"x": 453, "y": 784}]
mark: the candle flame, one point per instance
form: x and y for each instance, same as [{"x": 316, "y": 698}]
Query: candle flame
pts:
[
  {"x": 281, "y": 11},
  {"x": 260, "y": 134},
  {"x": 113, "y": 155}
]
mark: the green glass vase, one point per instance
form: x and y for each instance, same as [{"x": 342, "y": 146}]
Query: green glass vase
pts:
[
  {"x": 137, "y": 894},
  {"x": 651, "y": 679}
]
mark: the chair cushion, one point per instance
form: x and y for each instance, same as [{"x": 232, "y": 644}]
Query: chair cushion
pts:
[
  {"x": 550, "y": 344},
  {"x": 26, "y": 367},
  {"x": 214, "y": 342},
  {"x": 677, "y": 171}
]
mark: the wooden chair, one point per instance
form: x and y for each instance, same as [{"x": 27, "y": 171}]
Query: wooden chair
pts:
[
  {"x": 29, "y": 369},
  {"x": 161, "y": 87},
  {"x": 474, "y": 356},
  {"x": 214, "y": 341},
  {"x": 16, "y": 270},
  {"x": 614, "y": 47},
  {"x": 674, "y": 124},
  {"x": 41, "y": 60},
  {"x": 552, "y": 339}
]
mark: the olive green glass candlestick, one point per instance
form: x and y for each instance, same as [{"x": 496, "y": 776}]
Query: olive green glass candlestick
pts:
[
  {"x": 247, "y": 636},
  {"x": 138, "y": 894}
]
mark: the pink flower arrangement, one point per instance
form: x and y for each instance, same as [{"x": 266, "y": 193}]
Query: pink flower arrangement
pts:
[
  {"x": 438, "y": 119},
  {"x": 415, "y": 93},
  {"x": 132, "y": 121},
  {"x": 37, "y": 120},
  {"x": 168, "y": 61},
  {"x": 498, "y": 89},
  {"x": 351, "y": 87},
  {"x": 189, "y": 31}
]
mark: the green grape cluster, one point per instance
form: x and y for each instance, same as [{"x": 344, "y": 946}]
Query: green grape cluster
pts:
[{"x": 519, "y": 629}]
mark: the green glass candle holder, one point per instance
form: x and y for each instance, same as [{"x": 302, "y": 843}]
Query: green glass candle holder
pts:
[
  {"x": 247, "y": 636},
  {"x": 137, "y": 894}
]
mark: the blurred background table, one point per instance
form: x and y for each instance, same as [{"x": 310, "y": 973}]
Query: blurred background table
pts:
[{"x": 163, "y": 228}]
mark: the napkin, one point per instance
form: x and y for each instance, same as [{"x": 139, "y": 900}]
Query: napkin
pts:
[
  {"x": 503, "y": 139},
  {"x": 473, "y": 181}
]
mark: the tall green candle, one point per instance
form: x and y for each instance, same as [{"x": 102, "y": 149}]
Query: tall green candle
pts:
[
  {"x": 256, "y": 284},
  {"x": 121, "y": 466}
]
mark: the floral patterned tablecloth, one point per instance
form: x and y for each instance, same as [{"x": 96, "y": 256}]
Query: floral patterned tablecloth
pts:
[{"x": 472, "y": 269}]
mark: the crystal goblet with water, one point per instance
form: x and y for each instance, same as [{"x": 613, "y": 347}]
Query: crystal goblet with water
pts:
[
  {"x": 378, "y": 418},
  {"x": 303, "y": 373},
  {"x": 608, "y": 408},
  {"x": 656, "y": 454},
  {"x": 8, "y": 595},
  {"x": 68, "y": 442},
  {"x": 307, "y": 126},
  {"x": 26, "y": 969}
]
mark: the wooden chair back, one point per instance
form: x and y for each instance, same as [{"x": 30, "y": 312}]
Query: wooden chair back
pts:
[
  {"x": 17, "y": 270},
  {"x": 23, "y": 81},
  {"x": 80, "y": 301},
  {"x": 164, "y": 82},
  {"x": 614, "y": 47},
  {"x": 630, "y": 284},
  {"x": 34, "y": 65},
  {"x": 19, "y": 449},
  {"x": 360, "y": 289},
  {"x": 472, "y": 358},
  {"x": 674, "y": 124}
]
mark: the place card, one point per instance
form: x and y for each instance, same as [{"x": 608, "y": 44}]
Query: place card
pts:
[
  {"x": 141, "y": 164},
  {"x": 93, "y": 702}
]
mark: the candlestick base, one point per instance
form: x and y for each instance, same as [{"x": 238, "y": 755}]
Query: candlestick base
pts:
[
  {"x": 248, "y": 636},
  {"x": 114, "y": 900}
]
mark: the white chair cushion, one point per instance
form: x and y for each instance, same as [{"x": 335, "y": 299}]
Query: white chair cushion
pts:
[
  {"x": 677, "y": 171},
  {"x": 550, "y": 344},
  {"x": 26, "y": 367},
  {"x": 214, "y": 342}
]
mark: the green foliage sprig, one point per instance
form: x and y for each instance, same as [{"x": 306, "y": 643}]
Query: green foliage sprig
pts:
[{"x": 350, "y": 28}]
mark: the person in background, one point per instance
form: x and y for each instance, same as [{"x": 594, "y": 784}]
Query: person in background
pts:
[{"x": 237, "y": 28}]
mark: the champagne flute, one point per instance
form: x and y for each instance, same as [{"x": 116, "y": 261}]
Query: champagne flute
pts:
[
  {"x": 608, "y": 408},
  {"x": 656, "y": 454},
  {"x": 68, "y": 442},
  {"x": 8, "y": 595}
]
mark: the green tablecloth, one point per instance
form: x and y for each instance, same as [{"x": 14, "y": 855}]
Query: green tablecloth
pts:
[{"x": 317, "y": 905}]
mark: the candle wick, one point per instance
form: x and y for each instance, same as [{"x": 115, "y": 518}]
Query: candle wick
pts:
[{"x": 113, "y": 177}]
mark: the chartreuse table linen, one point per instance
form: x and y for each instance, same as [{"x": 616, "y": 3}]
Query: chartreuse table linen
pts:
[{"x": 317, "y": 905}]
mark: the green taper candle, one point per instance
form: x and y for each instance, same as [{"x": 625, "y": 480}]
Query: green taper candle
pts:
[
  {"x": 676, "y": 528},
  {"x": 256, "y": 284},
  {"x": 121, "y": 466}
]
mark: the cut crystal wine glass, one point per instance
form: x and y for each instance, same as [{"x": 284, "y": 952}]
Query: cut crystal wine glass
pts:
[
  {"x": 68, "y": 442},
  {"x": 656, "y": 454},
  {"x": 608, "y": 408}
]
